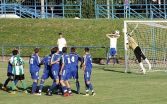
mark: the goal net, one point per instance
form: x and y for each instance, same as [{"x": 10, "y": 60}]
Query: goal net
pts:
[{"x": 151, "y": 37}]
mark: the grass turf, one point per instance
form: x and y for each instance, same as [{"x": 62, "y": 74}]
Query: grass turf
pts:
[{"x": 111, "y": 85}]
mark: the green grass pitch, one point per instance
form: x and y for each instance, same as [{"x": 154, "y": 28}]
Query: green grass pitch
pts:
[{"x": 111, "y": 85}]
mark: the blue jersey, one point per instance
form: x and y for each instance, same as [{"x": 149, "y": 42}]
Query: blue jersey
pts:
[
  {"x": 66, "y": 61},
  {"x": 88, "y": 62},
  {"x": 74, "y": 58},
  {"x": 34, "y": 63},
  {"x": 9, "y": 67},
  {"x": 56, "y": 57},
  {"x": 46, "y": 61}
]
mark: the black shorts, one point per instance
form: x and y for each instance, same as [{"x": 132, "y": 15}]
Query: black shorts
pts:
[
  {"x": 10, "y": 75},
  {"x": 139, "y": 54},
  {"x": 19, "y": 77}
]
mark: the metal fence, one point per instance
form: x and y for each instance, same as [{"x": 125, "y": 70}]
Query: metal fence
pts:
[{"x": 113, "y": 9}]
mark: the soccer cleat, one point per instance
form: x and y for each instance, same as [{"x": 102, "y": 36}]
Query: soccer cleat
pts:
[
  {"x": 86, "y": 94},
  {"x": 70, "y": 94},
  {"x": 25, "y": 92},
  {"x": 49, "y": 93},
  {"x": 39, "y": 94},
  {"x": 4, "y": 88},
  {"x": 66, "y": 94},
  {"x": 93, "y": 93},
  {"x": 13, "y": 92}
]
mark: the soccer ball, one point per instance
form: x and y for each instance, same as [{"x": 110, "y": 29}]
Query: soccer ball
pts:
[{"x": 116, "y": 32}]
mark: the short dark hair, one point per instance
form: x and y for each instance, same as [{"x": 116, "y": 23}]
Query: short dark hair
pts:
[
  {"x": 15, "y": 52},
  {"x": 64, "y": 50},
  {"x": 36, "y": 50},
  {"x": 73, "y": 49},
  {"x": 60, "y": 33},
  {"x": 54, "y": 50},
  {"x": 86, "y": 49}
]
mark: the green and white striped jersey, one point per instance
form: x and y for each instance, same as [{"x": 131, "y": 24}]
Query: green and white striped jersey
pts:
[{"x": 17, "y": 65}]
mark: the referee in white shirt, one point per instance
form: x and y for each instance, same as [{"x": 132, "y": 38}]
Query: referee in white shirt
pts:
[{"x": 61, "y": 42}]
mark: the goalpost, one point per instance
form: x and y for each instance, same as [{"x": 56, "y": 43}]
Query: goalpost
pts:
[{"x": 151, "y": 36}]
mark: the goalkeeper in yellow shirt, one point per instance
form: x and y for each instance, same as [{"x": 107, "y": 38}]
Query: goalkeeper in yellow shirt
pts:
[{"x": 132, "y": 44}]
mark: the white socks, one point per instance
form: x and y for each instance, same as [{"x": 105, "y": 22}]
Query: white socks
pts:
[
  {"x": 142, "y": 67},
  {"x": 149, "y": 65}
]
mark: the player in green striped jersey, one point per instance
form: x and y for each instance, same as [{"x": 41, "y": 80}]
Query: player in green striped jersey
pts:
[{"x": 17, "y": 70}]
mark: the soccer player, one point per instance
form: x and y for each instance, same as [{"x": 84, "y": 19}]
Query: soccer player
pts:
[
  {"x": 113, "y": 46},
  {"x": 64, "y": 72},
  {"x": 75, "y": 58},
  {"x": 55, "y": 62},
  {"x": 61, "y": 42},
  {"x": 87, "y": 67},
  {"x": 17, "y": 70},
  {"x": 10, "y": 76},
  {"x": 132, "y": 44},
  {"x": 46, "y": 61},
  {"x": 34, "y": 65}
]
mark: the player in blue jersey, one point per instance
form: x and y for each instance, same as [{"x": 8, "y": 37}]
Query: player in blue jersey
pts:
[
  {"x": 55, "y": 62},
  {"x": 87, "y": 67},
  {"x": 34, "y": 66},
  {"x": 46, "y": 61},
  {"x": 65, "y": 73},
  {"x": 75, "y": 58}
]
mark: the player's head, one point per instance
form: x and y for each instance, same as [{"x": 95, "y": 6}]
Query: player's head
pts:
[
  {"x": 86, "y": 49},
  {"x": 64, "y": 50},
  {"x": 54, "y": 50},
  {"x": 73, "y": 49},
  {"x": 36, "y": 50},
  {"x": 15, "y": 52},
  {"x": 60, "y": 34}
]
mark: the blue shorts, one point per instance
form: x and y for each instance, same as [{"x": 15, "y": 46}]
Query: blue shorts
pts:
[
  {"x": 35, "y": 75},
  {"x": 87, "y": 75},
  {"x": 74, "y": 74},
  {"x": 65, "y": 75},
  {"x": 55, "y": 74},
  {"x": 113, "y": 51},
  {"x": 46, "y": 75}
]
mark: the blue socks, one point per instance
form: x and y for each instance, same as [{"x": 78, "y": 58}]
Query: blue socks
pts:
[
  {"x": 41, "y": 86},
  {"x": 64, "y": 88},
  {"x": 90, "y": 86},
  {"x": 34, "y": 87},
  {"x": 53, "y": 86}
]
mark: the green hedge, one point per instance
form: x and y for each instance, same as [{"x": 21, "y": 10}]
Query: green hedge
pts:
[{"x": 44, "y": 32}]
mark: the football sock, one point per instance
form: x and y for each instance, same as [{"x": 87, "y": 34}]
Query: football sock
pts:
[
  {"x": 41, "y": 85},
  {"x": 148, "y": 63},
  {"x": 16, "y": 81},
  {"x": 13, "y": 86},
  {"x": 69, "y": 90},
  {"x": 6, "y": 82},
  {"x": 24, "y": 85},
  {"x": 64, "y": 88},
  {"x": 34, "y": 87},
  {"x": 90, "y": 86},
  {"x": 53, "y": 86}
]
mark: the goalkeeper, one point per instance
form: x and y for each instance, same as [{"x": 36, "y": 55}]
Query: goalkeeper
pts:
[
  {"x": 113, "y": 46},
  {"x": 132, "y": 44}
]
